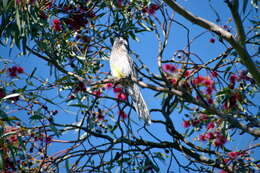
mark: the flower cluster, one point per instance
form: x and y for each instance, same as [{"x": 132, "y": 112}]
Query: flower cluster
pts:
[
  {"x": 77, "y": 17},
  {"x": 13, "y": 71},
  {"x": 56, "y": 25},
  {"x": 151, "y": 9}
]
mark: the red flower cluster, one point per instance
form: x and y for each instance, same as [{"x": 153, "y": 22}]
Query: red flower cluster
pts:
[
  {"x": 218, "y": 139},
  {"x": 151, "y": 9},
  {"x": 77, "y": 17},
  {"x": 212, "y": 40},
  {"x": 80, "y": 87},
  {"x": 233, "y": 154},
  {"x": 97, "y": 93},
  {"x": 120, "y": 94},
  {"x": 169, "y": 68},
  {"x": 14, "y": 70},
  {"x": 56, "y": 25},
  {"x": 122, "y": 114},
  {"x": 231, "y": 102},
  {"x": 186, "y": 124}
]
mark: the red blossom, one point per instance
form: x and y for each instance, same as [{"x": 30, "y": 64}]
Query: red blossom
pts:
[
  {"x": 214, "y": 74},
  {"x": 187, "y": 73},
  {"x": 202, "y": 138},
  {"x": 20, "y": 70},
  {"x": 14, "y": 70},
  {"x": 212, "y": 40},
  {"x": 209, "y": 90},
  {"x": 80, "y": 87},
  {"x": 223, "y": 171},
  {"x": 208, "y": 82},
  {"x": 186, "y": 124},
  {"x": 195, "y": 122},
  {"x": 151, "y": 9},
  {"x": 169, "y": 68},
  {"x": 210, "y": 101},
  {"x": 233, "y": 78},
  {"x": 117, "y": 90},
  {"x": 210, "y": 135},
  {"x": 56, "y": 25},
  {"x": 203, "y": 117},
  {"x": 210, "y": 125},
  {"x": 56, "y": 22},
  {"x": 121, "y": 96},
  {"x": 108, "y": 85},
  {"x": 174, "y": 81},
  {"x": 220, "y": 141},
  {"x": 226, "y": 160},
  {"x": 198, "y": 80},
  {"x": 233, "y": 154},
  {"x": 97, "y": 93},
  {"x": 122, "y": 114}
]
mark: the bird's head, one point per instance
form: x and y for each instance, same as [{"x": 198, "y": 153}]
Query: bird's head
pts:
[{"x": 120, "y": 42}]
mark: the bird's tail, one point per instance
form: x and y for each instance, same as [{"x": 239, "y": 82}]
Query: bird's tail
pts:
[{"x": 139, "y": 103}]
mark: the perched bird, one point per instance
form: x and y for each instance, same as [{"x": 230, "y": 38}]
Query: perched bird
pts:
[{"x": 121, "y": 65}]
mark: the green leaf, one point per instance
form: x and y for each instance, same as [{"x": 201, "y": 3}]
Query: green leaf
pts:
[
  {"x": 1, "y": 162},
  {"x": 18, "y": 22},
  {"x": 5, "y": 2},
  {"x": 67, "y": 166},
  {"x": 36, "y": 117}
]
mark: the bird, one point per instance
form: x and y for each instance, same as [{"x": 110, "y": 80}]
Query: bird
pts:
[{"x": 122, "y": 67}]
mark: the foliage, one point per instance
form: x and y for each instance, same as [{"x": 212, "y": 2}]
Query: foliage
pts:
[{"x": 213, "y": 97}]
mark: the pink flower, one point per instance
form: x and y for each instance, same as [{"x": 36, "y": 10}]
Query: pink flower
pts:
[
  {"x": 121, "y": 96},
  {"x": 174, "y": 81},
  {"x": 169, "y": 68},
  {"x": 212, "y": 40},
  {"x": 186, "y": 124},
  {"x": 56, "y": 25},
  {"x": 208, "y": 82},
  {"x": 220, "y": 141},
  {"x": 117, "y": 90},
  {"x": 209, "y": 90},
  {"x": 14, "y": 70},
  {"x": 187, "y": 73},
  {"x": 210, "y": 125},
  {"x": 222, "y": 171},
  {"x": 210, "y": 135},
  {"x": 80, "y": 87},
  {"x": 108, "y": 85},
  {"x": 233, "y": 154},
  {"x": 202, "y": 138},
  {"x": 214, "y": 74},
  {"x": 97, "y": 93},
  {"x": 203, "y": 117},
  {"x": 195, "y": 122},
  {"x": 198, "y": 80},
  {"x": 122, "y": 114},
  {"x": 210, "y": 101},
  {"x": 233, "y": 78}
]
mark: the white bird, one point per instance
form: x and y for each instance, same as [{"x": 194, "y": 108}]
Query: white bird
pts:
[{"x": 121, "y": 65}]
